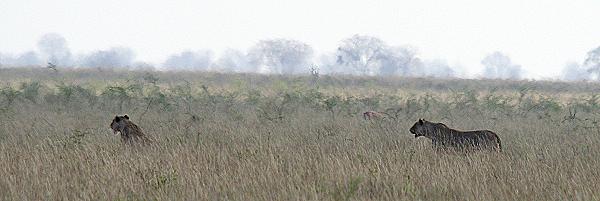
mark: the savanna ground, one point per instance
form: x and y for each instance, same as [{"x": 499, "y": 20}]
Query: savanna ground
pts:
[{"x": 254, "y": 137}]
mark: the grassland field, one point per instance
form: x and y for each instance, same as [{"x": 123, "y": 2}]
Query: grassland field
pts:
[{"x": 276, "y": 137}]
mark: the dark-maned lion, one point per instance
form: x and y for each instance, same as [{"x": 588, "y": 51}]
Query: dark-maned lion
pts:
[
  {"x": 130, "y": 132},
  {"x": 443, "y": 137}
]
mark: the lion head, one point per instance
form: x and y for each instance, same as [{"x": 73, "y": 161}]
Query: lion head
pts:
[
  {"x": 118, "y": 123},
  {"x": 424, "y": 128}
]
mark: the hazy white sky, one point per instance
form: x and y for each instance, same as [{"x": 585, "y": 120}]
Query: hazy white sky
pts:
[{"x": 540, "y": 35}]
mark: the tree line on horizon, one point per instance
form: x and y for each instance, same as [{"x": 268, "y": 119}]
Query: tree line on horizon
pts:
[{"x": 356, "y": 55}]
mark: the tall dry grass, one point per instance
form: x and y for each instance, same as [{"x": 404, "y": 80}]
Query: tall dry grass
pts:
[{"x": 251, "y": 137}]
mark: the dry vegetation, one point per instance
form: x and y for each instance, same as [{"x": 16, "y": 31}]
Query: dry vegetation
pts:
[{"x": 252, "y": 137}]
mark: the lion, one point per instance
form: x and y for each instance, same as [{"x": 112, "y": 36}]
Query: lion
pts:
[
  {"x": 130, "y": 132},
  {"x": 443, "y": 137},
  {"x": 368, "y": 115}
]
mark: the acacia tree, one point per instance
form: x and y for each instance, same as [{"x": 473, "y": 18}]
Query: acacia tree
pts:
[
  {"x": 592, "y": 63},
  {"x": 499, "y": 66},
  {"x": 280, "y": 56},
  {"x": 367, "y": 55},
  {"x": 361, "y": 55},
  {"x": 54, "y": 49}
]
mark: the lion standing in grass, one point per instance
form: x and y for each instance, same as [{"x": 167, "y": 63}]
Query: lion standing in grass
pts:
[
  {"x": 443, "y": 137},
  {"x": 130, "y": 133}
]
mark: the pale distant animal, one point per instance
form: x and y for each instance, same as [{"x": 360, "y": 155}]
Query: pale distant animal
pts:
[
  {"x": 130, "y": 132},
  {"x": 444, "y": 137},
  {"x": 372, "y": 115}
]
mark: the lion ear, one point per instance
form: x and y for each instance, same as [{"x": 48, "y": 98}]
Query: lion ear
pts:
[
  {"x": 117, "y": 119},
  {"x": 126, "y": 117},
  {"x": 421, "y": 121}
]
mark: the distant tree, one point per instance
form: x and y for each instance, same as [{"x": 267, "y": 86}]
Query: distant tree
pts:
[
  {"x": 592, "y": 63},
  {"x": 116, "y": 57},
  {"x": 362, "y": 55},
  {"x": 143, "y": 66},
  {"x": 499, "y": 66},
  {"x": 29, "y": 58},
  {"x": 367, "y": 55},
  {"x": 401, "y": 61},
  {"x": 54, "y": 49},
  {"x": 188, "y": 60},
  {"x": 438, "y": 68},
  {"x": 574, "y": 72},
  {"x": 232, "y": 61},
  {"x": 280, "y": 56}
]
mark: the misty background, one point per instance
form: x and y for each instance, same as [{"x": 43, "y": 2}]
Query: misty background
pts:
[
  {"x": 474, "y": 39},
  {"x": 359, "y": 55}
]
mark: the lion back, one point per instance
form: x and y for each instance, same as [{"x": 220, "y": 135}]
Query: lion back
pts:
[
  {"x": 490, "y": 139},
  {"x": 136, "y": 132}
]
